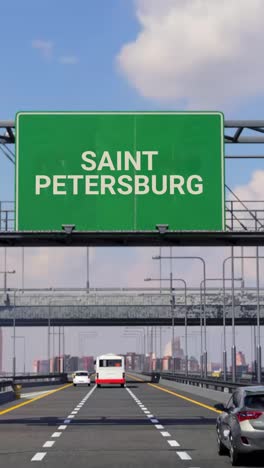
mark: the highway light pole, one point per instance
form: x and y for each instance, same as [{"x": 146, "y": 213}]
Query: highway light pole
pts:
[
  {"x": 14, "y": 334},
  {"x": 203, "y": 355},
  {"x": 5, "y": 273},
  {"x": 171, "y": 279},
  {"x": 139, "y": 330},
  {"x": 87, "y": 269},
  {"x": 24, "y": 350},
  {"x": 218, "y": 279},
  {"x": 232, "y": 258}
]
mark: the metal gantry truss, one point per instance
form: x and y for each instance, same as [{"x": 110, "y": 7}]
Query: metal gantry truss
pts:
[
  {"x": 244, "y": 222},
  {"x": 236, "y": 131}
]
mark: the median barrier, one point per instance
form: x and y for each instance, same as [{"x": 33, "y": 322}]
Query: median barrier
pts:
[
  {"x": 155, "y": 377},
  {"x": 6, "y": 392}
]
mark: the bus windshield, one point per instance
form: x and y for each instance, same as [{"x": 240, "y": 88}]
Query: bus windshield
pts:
[{"x": 110, "y": 363}]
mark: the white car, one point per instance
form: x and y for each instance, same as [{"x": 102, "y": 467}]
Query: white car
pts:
[{"x": 81, "y": 377}]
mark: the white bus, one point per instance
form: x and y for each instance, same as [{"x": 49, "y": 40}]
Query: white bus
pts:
[{"x": 110, "y": 369}]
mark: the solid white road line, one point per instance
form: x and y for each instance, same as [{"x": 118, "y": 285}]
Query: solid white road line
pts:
[
  {"x": 184, "y": 456},
  {"x": 165, "y": 434},
  {"x": 56, "y": 434},
  {"x": 173, "y": 443},
  {"x": 38, "y": 456},
  {"x": 49, "y": 443}
]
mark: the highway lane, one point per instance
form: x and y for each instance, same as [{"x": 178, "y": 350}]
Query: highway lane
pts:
[{"x": 111, "y": 427}]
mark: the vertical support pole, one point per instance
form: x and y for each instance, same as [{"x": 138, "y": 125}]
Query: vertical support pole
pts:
[
  {"x": 233, "y": 319},
  {"x": 255, "y": 350},
  {"x": 258, "y": 320},
  {"x": 160, "y": 353},
  {"x": 87, "y": 269},
  {"x": 24, "y": 355},
  {"x": 49, "y": 336},
  {"x": 23, "y": 268},
  {"x": 5, "y": 270},
  {"x": 242, "y": 271},
  {"x": 160, "y": 268},
  {"x": 172, "y": 322},
  {"x": 59, "y": 349},
  {"x": 224, "y": 327},
  {"x": 204, "y": 314},
  {"x": 186, "y": 329},
  {"x": 201, "y": 334},
  {"x": 14, "y": 336},
  {"x": 63, "y": 349}
]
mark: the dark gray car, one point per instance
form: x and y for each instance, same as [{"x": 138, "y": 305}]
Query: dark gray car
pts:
[{"x": 240, "y": 427}]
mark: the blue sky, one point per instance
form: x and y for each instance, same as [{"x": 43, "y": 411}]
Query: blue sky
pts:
[
  {"x": 89, "y": 37},
  {"x": 58, "y": 55}
]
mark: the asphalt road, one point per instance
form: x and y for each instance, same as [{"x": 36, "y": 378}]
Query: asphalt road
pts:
[{"x": 110, "y": 427}]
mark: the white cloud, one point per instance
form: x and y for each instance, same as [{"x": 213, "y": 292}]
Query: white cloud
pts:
[
  {"x": 68, "y": 60},
  {"x": 203, "y": 53},
  {"x": 45, "y": 47},
  {"x": 254, "y": 189}
]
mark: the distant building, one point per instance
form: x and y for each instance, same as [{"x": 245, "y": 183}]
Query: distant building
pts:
[
  {"x": 87, "y": 363},
  {"x": 240, "y": 359},
  {"x": 178, "y": 351},
  {"x": 214, "y": 366},
  {"x": 43, "y": 367},
  {"x": 71, "y": 363},
  {"x": 130, "y": 359},
  {"x": 194, "y": 364}
]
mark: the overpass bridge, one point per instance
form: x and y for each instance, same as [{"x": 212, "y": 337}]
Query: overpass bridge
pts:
[{"x": 117, "y": 308}]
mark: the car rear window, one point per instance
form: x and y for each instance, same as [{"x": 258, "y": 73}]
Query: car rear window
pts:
[
  {"x": 255, "y": 402},
  {"x": 110, "y": 363},
  {"x": 81, "y": 374}
]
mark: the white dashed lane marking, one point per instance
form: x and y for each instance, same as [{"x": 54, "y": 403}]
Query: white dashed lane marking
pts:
[
  {"x": 56, "y": 434},
  {"x": 38, "y": 456},
  {"x": 49, "y": 443},
  {"x": 173, "y": 443},
  {"x": 184, "y": 456}
]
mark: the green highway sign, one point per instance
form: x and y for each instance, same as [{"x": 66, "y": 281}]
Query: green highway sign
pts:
[{"x": 111, "y": 171}]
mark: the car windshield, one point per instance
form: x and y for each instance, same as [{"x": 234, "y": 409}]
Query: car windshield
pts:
[
  {"x": 255, "y": 402},
  {"x": 81, "y": 374}
]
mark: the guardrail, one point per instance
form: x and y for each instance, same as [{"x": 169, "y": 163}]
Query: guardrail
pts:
[
  {"x": 214, "y": 383},
  {"x": 4, "y": 384}
]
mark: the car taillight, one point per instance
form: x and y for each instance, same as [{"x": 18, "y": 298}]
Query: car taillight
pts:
[{"x": 246, "y": 415}]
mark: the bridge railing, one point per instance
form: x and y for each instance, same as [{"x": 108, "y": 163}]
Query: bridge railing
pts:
[{"x": 214, "y": 383}]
